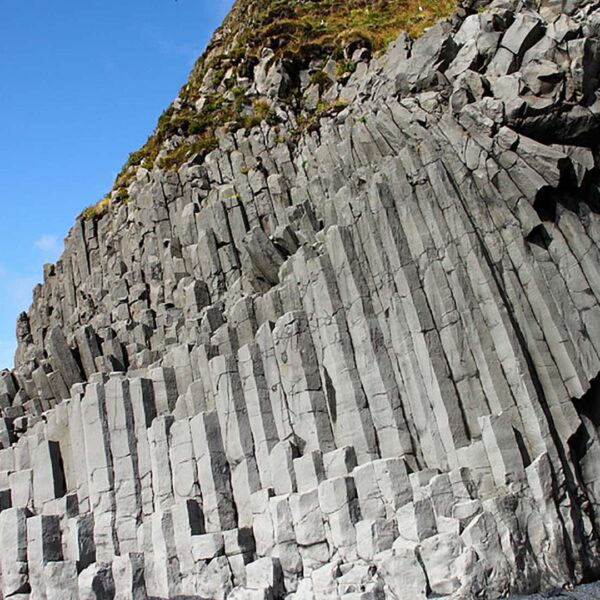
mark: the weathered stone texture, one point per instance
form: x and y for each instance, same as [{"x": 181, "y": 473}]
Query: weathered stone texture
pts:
[{"x": 360, "y": 362}]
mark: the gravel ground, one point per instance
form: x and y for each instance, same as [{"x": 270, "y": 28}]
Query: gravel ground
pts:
[{"x": 585, "y": 592}]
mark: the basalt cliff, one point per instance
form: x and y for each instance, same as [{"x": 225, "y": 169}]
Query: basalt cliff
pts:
[{"x": 335, "y": 332}]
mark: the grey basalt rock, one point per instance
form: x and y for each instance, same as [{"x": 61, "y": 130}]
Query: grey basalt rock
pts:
[
  {"x": 429, "y": 57},
  {"x": 359, "y": 361},
  {"x": 270, "y": 75}
]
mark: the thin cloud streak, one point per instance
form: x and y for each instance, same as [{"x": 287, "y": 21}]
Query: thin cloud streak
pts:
[
  {"x": 7, "y": 353},
  {"x": 50, "y": 246}
]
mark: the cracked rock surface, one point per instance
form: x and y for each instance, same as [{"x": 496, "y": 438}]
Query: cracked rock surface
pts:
[{"x": 358, "y": 360}]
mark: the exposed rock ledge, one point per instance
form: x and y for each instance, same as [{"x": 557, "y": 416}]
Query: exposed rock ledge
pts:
[{"x": 359, "y": 363}]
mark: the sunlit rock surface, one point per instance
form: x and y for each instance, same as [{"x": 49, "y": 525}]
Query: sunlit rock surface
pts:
[{"x": 357, "y": 359}]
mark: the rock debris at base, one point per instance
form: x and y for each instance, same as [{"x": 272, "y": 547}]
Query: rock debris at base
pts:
[
  {"x": 585, "y": 592},
  {"x": 361, "y": 361}
]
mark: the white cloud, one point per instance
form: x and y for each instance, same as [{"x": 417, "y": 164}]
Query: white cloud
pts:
[
  {"x": 15, "y": 297},
  {"x": 19, "y": 291},
  {"x": 7, "y": 354},
  {"x": 172, "y": 48},
  {"x": 50, "y": 246}
]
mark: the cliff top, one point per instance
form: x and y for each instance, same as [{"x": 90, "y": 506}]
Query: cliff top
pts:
[{"x": 300, "y": 33}]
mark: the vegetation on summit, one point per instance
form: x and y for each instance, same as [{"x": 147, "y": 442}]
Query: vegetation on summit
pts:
[{"x": 301, "y": 33}]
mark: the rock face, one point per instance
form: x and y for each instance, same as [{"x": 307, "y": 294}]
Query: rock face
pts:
[{"x": 354, "y": 360}]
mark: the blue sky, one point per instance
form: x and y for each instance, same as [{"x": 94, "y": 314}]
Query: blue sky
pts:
[{"x": 82, "y": 85}]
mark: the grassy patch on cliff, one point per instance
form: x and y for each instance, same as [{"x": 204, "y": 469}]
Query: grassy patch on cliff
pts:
[
  {"x": 298, "y": 31},
  {"x": 96, "y": 210},
  {"x": 295, "y": 26}
]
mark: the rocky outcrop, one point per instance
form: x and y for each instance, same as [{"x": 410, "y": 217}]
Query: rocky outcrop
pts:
[{"x": 351, "y": 358}]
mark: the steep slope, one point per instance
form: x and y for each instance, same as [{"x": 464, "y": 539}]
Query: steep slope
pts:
[
  {"x": 335, "y": 333},
  {"x": 304, "y": 36}
]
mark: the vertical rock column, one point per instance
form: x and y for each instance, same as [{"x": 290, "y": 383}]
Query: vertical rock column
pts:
[
  {"x": 237, "y": 434},
  {"x": 100, "y": 470},
  {"x": 143, "y": 405},
  {"x": 119, "y": 414},
  {"x": 301, "y": 382},
  {"x": 48, "y": 474},
  {"x": 43, "y": 546},
  {"x": 77, "y": 439},
  {"x": 260, "y": 410},
  {"x": 277, "y": 397},
  {"x": 166, "y": 564},
  {"x": 339, "y": 504},
  {"x": 372, "y": 359},
  {"x": 128, "y": 575},
  {"x": 443, "y": 413},
  {"x": 13, "y": 558},
  {"x": 349, "y": 413},
  {"x": 213, "y": 473},
  {"x": 188, "y": 519},
  {"x": 62, "y": 358},
  {"x": 184, "y": 468},
  {"x": 162, "y": 479}
]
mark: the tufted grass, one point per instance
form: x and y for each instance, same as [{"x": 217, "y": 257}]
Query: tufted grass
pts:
[{"x": 298, "y": 31}]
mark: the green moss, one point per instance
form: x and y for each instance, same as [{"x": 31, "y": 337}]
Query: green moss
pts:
[
  {"x": 321, "y": 79},
  {"x": 309, "y": 122},
  {"x": 96, "y": 210},
  {"x": 344, "y": 67},
  {"x": 201, "y": 145}
]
